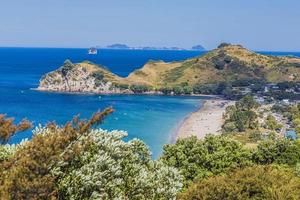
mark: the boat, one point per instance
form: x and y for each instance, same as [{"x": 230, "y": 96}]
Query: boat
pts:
[{"x": 92, "y": 51}]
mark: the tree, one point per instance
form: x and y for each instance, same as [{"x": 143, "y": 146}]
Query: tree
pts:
[
  {"x": 187, "y": 90},
  {"x": 197, "y": 159},
  {"x": 8, "y": 128},
  {"x": 76, "y": 161},
  {"x": 27, "y": 173},
  {"x": 281, "y": 151},
  {"x": 271, "y": 123},
  {"x": 67, "y": 66},
  {"x": 139, "y": 88},
  {"x": 257, "y": 182},
  {"x": 247, "y": 103},
  {"x": 241, "y": 116},
  {"x": 113, "y": 169},
  {"x": 177, "y": 90}
]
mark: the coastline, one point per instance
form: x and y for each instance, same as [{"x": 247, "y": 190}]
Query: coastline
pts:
[
  {"x": 208, "y": 119},
  {"x": 125, "y": 93}
]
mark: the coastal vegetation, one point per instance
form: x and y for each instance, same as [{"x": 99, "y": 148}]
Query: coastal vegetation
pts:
[
  {"x": 197, "y": 159},
  {"x": 81, "y": 161},
  {"x": 75, "y": 161},
  {"x": 8, "y": 128},
  {"x": 251, "y": 122},
  {"x": 255, "y": 182},
  {"x": 241, "y": 116},
  {"x": 216, "y": 72}
]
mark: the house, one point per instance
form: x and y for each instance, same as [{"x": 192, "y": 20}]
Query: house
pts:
[
  {"x": 286, "y": 101},
  {"x": 271, "y": 87},
  {"x": 259, "y": 100}
]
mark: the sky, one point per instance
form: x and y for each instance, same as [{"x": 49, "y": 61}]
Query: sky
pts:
[{"x": 271, "y": 25}]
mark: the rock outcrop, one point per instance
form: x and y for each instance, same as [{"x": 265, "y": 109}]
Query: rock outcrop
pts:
[{"x": 82, "y": 77}]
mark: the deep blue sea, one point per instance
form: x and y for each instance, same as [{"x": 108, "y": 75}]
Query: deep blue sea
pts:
[{"x": 151, "y": 118}]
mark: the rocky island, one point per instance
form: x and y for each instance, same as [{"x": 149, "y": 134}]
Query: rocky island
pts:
[{"x": 226, "y": 65}]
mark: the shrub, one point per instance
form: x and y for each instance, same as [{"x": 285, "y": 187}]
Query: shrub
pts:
[
  {"x": 241, "y": 115},
  {"x": 99, "y": 78},
  {"x": 177, "y": 90},
  {"x": 67, "y": 66},
  {"x": 205, "y": 89},
  {"x": 166, "y": 90},
  {"x": 78, "y": 162},
  {"x": 187, "y": 90},
  {"x": 276, "y": 150},
  {"x": 271, "y": 123},
  {"x": 27, "y": 174},
  {"x": 98, "y": 75},
  {"x": 139, "y": 88},
  {"x": 197, "y": 159},
  {"x": 122, "y": 86},
  {"x": 110, "y": 168},
  {"x": 8, "y": 128},
  {"x": 257, "y": 182}
]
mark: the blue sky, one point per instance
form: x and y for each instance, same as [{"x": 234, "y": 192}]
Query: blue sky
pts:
[{"x": 256, "y": 24}]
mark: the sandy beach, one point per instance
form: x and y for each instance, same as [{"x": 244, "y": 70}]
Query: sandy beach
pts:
[{"x": 207, "y": 120}]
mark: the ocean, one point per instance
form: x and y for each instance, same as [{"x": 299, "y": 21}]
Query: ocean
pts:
[{"x": 151, "y": 118}]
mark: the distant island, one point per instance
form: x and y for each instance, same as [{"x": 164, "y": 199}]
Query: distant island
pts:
[
  {"x": 228, "y": 70},
  {"x": 124, "y": 46},
  {"x": 198, "y": 48},
  {"x": 118, "y": 46}
]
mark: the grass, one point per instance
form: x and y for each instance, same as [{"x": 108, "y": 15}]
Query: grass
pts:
[{"x": 202, "y": 70}]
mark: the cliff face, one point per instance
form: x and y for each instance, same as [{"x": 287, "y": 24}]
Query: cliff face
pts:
[
  {"x": 227, "y": 63},
  {"x": 81, "y": 77}
]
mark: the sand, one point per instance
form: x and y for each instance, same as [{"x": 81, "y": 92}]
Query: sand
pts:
[{"x": 207, "y": 120}]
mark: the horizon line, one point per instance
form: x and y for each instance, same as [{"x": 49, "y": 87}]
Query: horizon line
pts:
[{"x": 183, "y": 49}]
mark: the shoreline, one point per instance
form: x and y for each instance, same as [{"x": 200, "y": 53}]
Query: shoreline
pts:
[
  {"x": 208, "y": 119},
  {"x": 126, "y": 93}
]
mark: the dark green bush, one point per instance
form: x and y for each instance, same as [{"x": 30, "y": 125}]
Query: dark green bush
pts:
[{"x": 197, "y": 159}]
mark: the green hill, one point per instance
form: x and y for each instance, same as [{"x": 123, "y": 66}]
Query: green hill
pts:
[{"x": 226, "y": 64}]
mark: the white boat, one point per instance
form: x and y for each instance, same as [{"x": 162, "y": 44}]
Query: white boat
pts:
[{"x": 92, "y": 51}]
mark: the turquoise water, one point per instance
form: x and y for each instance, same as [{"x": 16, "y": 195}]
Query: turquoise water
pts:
[{"x": 151, "y": 118}]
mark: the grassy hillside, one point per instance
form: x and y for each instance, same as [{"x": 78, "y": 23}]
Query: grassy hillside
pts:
[{"x": 226, "y": 64}]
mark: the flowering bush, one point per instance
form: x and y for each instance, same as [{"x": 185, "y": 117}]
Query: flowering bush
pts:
[{"x": 111, "y": 168}]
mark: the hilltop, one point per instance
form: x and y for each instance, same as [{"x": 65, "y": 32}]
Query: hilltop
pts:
[
  {"x": 230, "y": 64},
  {"x": 226, "y": 63}
]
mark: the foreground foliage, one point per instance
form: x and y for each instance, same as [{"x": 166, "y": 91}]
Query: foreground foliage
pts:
[
  {"x": 78, "y": 162},
  {"x": 257, "y": 182},
  {"x": 8, "y": 128},
  {"x": 113, "y": 169},
  {"x": 278, "y": 150},
  {"x": 197, "y": 159}
]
